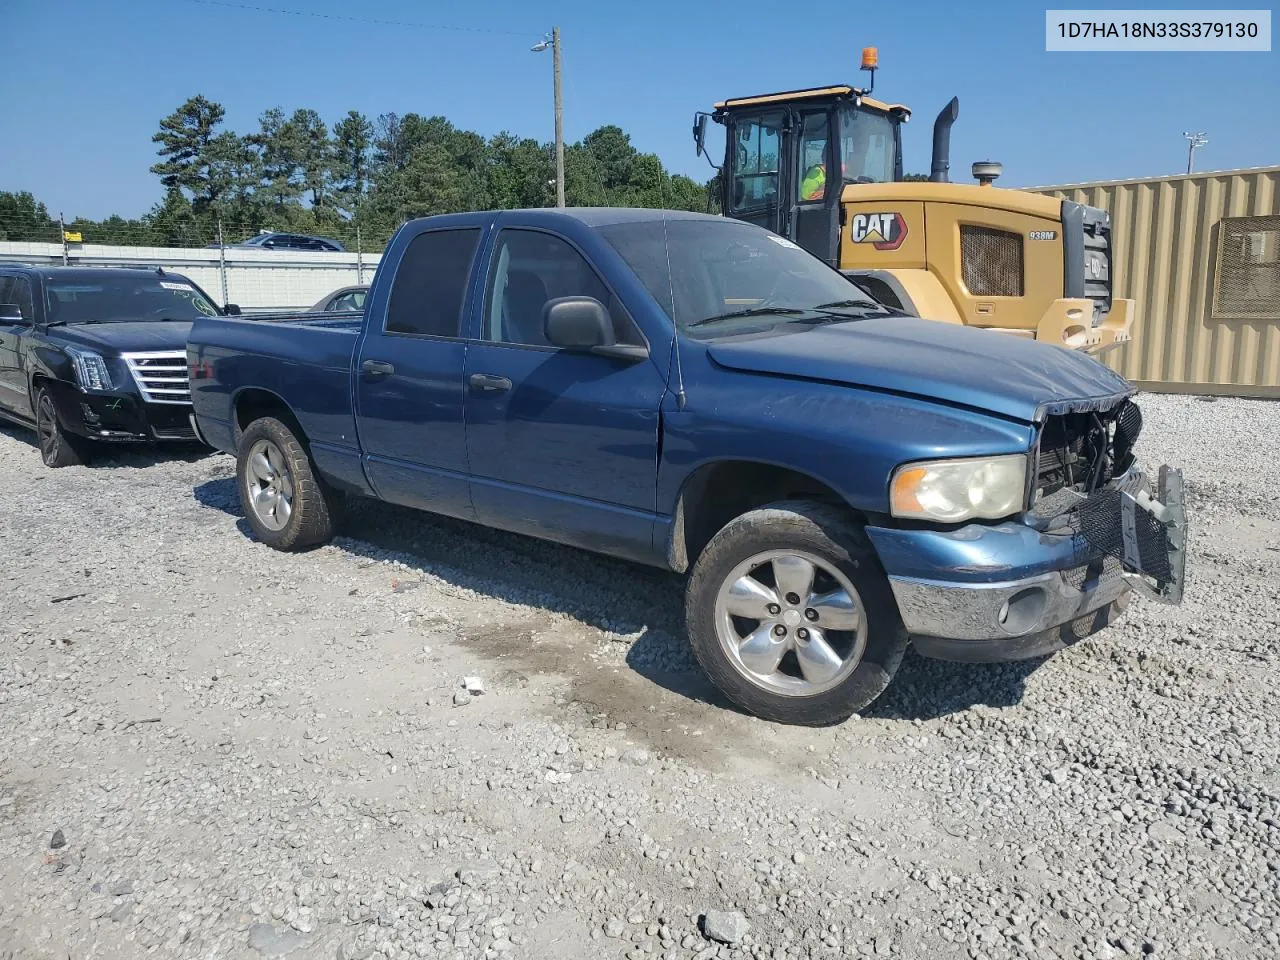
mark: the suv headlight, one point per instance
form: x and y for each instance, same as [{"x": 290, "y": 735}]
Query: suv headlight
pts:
[
  {"x": 91, "y": 369},
  {"x": 951, "y": 491}
]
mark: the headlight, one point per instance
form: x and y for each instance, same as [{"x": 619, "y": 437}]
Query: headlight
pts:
[
  {"x": 91, "y": 369},
  {"x": 954, "y": 490}
]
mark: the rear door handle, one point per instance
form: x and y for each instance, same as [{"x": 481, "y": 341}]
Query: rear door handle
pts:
[
  {"x": 376, "y": 369},
  {"x": 489, "y": 383}
]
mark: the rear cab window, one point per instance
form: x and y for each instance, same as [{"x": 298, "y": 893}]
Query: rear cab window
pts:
[{"x": 430, "y": 284}]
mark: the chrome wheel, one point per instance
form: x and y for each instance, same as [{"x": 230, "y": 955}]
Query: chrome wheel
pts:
[
  {"x": 791, "y": 623},
  {"x": 270, "y": 487},
  {"x": 47, "y": 428}
]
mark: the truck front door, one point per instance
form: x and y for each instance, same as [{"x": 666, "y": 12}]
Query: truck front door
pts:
[
  {"x": 408, "y": 373},
  {"x": 562, "y": 444}
]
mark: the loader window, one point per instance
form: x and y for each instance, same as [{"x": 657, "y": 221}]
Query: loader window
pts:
[
  {"x": 812, "y": 175},
  {"x": 866, "y": 145},
  {"x": 756, "y": 147}
]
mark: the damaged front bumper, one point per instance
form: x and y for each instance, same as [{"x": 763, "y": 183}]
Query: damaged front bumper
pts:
[{"x": 1027, "y": 588}]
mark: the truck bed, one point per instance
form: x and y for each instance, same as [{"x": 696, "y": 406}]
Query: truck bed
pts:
[{"x": 303, "y": 360}]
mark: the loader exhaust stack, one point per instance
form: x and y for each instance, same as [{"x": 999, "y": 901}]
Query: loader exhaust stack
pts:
[{"x": 942, "y": 141}]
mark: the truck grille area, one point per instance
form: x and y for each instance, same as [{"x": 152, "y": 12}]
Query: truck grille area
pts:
[
  {"x": 1081, "y": 452},
  {"x": 161, "y": 375},
  {"x": 1097, "y": 261},
  {"x": 1087, "y": 256}
]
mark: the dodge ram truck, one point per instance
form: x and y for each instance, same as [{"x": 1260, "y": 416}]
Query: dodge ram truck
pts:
[{"x": 837, "y": 480}]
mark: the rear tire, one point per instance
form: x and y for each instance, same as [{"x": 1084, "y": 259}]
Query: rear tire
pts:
[
  {"x": 825, "y": 644},
  {"x": 285, "y": 501},
  {"x": 58, "y": 448}
]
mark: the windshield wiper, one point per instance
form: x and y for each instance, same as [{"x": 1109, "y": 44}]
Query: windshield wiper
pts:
[
  {"x": 867, "y": 306},
  {"x": 753, "y": 312}
]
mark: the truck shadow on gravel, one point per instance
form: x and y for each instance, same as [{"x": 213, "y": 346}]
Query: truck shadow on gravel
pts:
[
  {"x": 642, "y": 606},
  {"x": 927, "y": 689},
  {"x": 109, "y": 456}
]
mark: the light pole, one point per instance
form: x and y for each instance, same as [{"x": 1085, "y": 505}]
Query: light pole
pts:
[
  {"x": 554, "y": 43},
  {"x": 1194, "y": 140}
]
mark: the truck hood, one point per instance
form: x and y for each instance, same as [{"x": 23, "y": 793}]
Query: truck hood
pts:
[
  {"x": 1006, "y": 375},
  {"x": 125, "y": 336}
]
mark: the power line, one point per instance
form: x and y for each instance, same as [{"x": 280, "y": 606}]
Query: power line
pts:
[{"x": 370, "y": 20}]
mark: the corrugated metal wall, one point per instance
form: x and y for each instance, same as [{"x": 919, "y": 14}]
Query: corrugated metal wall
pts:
[
  {"x": 257, "y": 280},
  {"x": 1166, "y": 248}
]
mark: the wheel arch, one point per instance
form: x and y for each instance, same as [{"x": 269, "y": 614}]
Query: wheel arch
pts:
[
  {"x": 717, "y": 492},
  {"x": 253, "y": 403}
]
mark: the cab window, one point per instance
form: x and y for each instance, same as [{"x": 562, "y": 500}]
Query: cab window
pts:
[
  {"x": 867, "y": 146},
  {"x": 530, "y": 268},
  {"x": 812, "y": 175},
  {"x": 430, "y": 283},
  {"x": 756, "y": 148}
]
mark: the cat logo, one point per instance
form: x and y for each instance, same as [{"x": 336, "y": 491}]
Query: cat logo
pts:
[{"x": 884, "y": 231}]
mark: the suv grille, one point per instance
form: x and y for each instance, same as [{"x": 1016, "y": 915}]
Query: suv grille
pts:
[
  {"x": 991, "y": 261},
  {"x": 161, "y": 376}
]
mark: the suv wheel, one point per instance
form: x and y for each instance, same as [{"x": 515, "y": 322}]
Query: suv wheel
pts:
[{"x": 58, "y": 448}]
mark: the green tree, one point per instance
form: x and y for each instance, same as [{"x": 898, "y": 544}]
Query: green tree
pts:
[
  {"x": 23, "y": 217},
  {"x": 185, "y": 137},
  {"x": 614, "y": 156},
  {"x": 277, "y": 158},
  {"x": 352, "y": 142},
  {"x": 309, "y": 145}
]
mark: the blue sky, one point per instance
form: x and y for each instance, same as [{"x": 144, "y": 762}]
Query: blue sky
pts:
[{"x": 92, "y": 79}]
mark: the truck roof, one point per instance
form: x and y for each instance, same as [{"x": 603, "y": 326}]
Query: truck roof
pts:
[
  {"x": 838, "y": 91},
  {"x": 589, "y": 216}
]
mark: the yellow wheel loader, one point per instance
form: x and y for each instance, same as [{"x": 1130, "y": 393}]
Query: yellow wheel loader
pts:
[{"x": 823, "y": 168}]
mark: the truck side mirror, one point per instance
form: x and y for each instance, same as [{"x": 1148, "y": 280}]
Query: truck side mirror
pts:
[
  {"x": 700, "y": 132},
  {"x": 232, "y": 309},
  {"x": 10, "y": 313},
  {"x": 577, "y": 323}
]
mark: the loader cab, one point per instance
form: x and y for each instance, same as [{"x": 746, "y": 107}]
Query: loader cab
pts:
[{"x": 781, "y": 150}]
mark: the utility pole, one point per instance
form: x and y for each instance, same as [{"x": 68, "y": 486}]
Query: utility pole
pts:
[
  {"x": 359, "y": 252},
  {"x": 1194, "y": 140},
  {"x": 554, "y": 44},
  {"x": 62, "y": 236},
  {"x": 222, "y": 261},
  {"x": 555, "y": 55}
]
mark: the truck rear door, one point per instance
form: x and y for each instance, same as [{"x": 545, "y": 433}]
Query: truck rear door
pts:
[
  {"x": 408, "y": 390},
  {"x": 562, "y": 444}
]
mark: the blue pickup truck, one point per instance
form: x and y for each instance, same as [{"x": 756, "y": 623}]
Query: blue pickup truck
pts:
[{"x": 696, "y": 393}]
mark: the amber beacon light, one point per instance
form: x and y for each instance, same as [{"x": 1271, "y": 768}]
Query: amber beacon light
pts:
[{"x": 870, "y": 58}]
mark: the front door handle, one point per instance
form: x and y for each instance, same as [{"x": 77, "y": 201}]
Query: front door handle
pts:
[
  {"x": 376, "y": 369},
  {"x": 489, "y": 383}
]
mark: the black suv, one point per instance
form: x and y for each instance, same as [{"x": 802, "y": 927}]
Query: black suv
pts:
[{"x": 97, "y": 355}]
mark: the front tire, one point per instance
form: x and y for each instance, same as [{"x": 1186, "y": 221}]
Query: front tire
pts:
[
  {"x": 791, "y": 615},
  {"x": 58, "y": 447},
  {"x": 286, "y": 503}
]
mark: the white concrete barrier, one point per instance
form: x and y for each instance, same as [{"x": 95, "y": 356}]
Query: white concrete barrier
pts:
[{"x": 257, "y": 280}]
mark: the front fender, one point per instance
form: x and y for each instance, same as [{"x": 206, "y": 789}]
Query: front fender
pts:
[{"x": 851, "y": 439}]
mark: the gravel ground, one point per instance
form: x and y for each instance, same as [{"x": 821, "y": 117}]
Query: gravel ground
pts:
[{"x": 210, "y": 749}]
